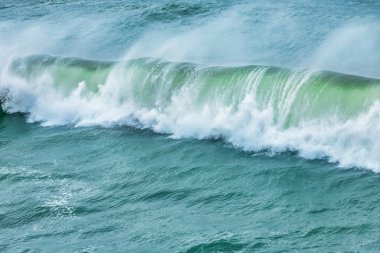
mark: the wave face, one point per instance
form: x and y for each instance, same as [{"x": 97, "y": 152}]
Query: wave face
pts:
[{"x": 254, "y": 108}]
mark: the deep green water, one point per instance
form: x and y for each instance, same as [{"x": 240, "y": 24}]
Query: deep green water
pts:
[{"x": 189, "y": 126}]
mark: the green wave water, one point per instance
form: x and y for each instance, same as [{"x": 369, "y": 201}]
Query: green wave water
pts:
[{"x": 294, "y": 95}]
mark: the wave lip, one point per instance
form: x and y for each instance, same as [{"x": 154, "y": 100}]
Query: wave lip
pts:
[{"x": 318, "y": 114}]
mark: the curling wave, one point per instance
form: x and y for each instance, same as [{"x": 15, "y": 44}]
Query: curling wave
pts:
[{"x": 255, "y": 108}]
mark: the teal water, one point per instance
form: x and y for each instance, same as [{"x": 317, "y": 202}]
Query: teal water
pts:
[
  {"x": 128, "y": 190},
  {"x": 189, "y": 126}
]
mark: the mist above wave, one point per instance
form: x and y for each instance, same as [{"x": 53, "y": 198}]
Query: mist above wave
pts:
[{"x": 217, "y": 33}]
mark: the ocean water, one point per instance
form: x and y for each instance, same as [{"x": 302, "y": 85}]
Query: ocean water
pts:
[{"x": 189, "y": 126}]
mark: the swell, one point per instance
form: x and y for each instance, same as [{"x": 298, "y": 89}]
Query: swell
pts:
[{"x": 318, "y": 114}]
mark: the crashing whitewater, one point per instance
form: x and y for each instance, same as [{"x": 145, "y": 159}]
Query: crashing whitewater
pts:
[{"x": 255, "y": 108}]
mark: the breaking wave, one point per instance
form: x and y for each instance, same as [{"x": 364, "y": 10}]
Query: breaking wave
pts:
[{"x": 255, "y": 108}]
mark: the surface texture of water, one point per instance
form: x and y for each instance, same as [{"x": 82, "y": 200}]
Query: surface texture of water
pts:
[{"x": 90, "y": 189}]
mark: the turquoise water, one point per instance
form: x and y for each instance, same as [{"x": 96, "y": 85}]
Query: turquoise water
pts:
[
  {"x": 128, "y": 190},
  {"x": 189, "y": 126}
]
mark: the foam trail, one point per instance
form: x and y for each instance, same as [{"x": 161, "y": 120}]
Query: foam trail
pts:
[{"x": 255, "y": 108}]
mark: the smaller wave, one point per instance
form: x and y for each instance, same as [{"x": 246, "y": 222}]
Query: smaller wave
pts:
[{"x": 222, "y": 245}]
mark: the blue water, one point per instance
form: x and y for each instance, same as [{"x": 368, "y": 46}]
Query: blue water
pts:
[{"x": 178, "y": 154}]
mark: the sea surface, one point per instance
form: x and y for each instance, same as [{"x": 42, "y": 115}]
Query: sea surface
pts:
[{"x": 189, "y": 126}]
